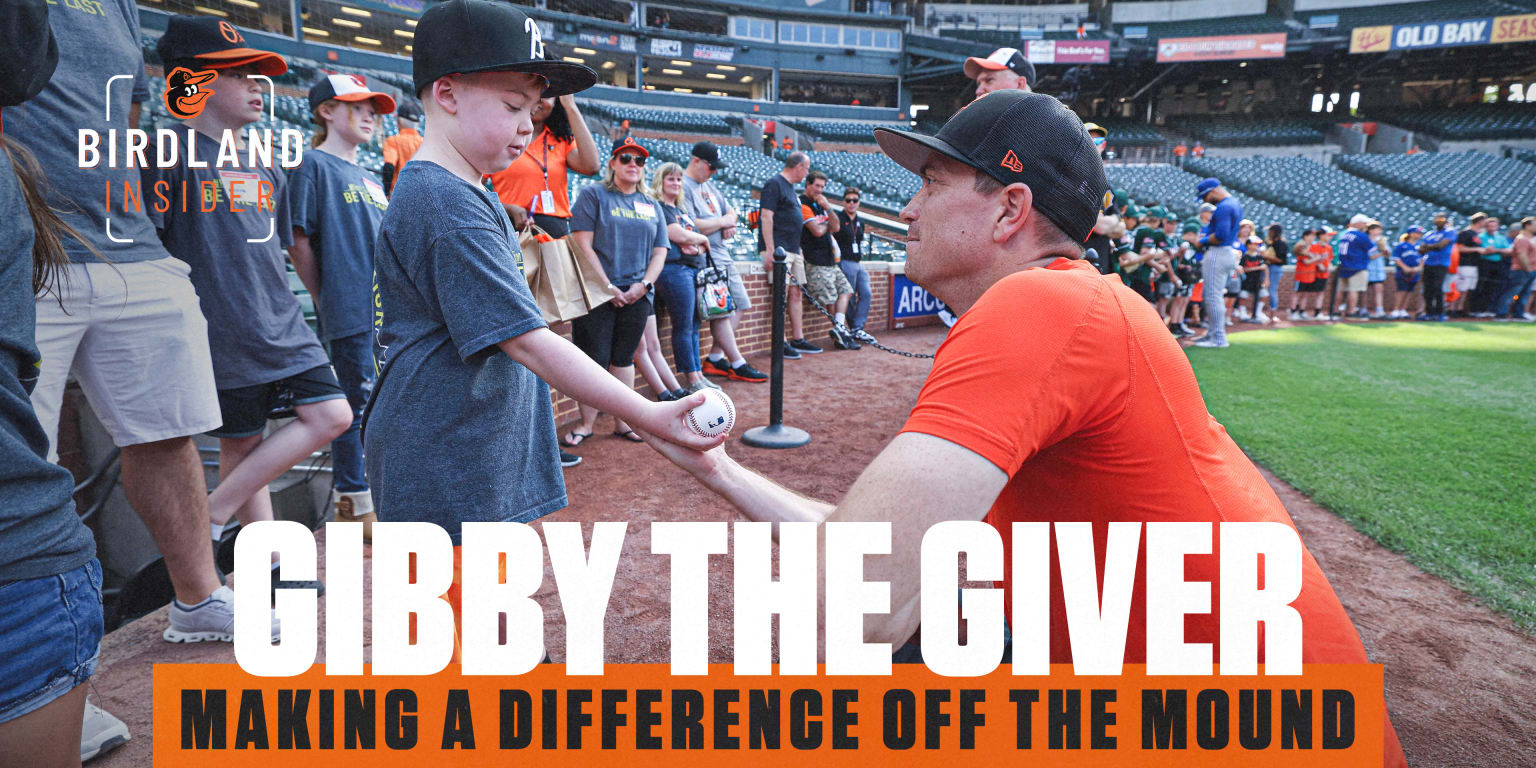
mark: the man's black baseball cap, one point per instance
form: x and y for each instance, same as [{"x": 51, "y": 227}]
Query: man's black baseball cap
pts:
[
  {"x": 1019, "y": 137},
  {"x": 1002, "y": 58},
  {"x": 34, "y": 54},
  {"x": 464, "y": 36},
  {"x": 709, "y": 153},
  {"x": 206, "y": 42}
]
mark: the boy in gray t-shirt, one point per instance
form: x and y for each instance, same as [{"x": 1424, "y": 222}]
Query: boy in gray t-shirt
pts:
[{"x": 460, "y": 428}]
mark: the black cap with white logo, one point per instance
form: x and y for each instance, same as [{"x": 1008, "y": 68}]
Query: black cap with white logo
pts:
[
  {"x": 709, "y": 153},
  {"x": 1017, "y": 137},
  {"x": 464, "y": 36}
]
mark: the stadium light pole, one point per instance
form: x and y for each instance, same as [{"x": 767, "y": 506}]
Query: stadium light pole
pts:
[{"x": 775, "y": 434}]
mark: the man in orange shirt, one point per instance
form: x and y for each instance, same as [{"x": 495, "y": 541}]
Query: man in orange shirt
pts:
[
  {"x": 399, "y": 148},
  {"x": 1056, "y": 396}
]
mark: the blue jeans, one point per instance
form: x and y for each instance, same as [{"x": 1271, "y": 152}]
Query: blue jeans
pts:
[
  {"x": 1217, "y": 267},
  {"x": 677, "y": 290},
  {"x": 1275, "y": 272},
  {"x": 50, "y": 635},
  {"x": 352, "y": 356},
  {"x": 858, "y": 304},
  {"x": 1517, "y": 283}
]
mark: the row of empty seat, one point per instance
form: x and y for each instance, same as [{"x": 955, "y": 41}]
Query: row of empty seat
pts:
[
  {"x": 846, "y": 131},
  {"x": 1175, "y": 189},
  {"x": 1469, "y": 121},
  {"x": 1465, "y": 181},
  {"x": 1318, "y": 190},
  {"x": 1235, "y": 131}
]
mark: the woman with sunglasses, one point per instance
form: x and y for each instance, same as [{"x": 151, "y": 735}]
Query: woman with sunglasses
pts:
[{"x": 622, "y": 232}]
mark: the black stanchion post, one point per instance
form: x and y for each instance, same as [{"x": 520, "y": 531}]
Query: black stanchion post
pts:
[{"x": 775, "y": 434}]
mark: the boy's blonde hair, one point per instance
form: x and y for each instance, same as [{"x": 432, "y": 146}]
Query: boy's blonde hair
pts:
[{"x": 660, "y": 175}]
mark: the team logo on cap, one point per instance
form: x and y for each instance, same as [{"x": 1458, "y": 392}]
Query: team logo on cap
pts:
[
  {"x": 186, "y": 91},
  {"x": 1011, "y": 162}
]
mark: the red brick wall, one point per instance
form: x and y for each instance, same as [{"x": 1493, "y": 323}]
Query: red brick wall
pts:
[{"x": 754, "y": 336}]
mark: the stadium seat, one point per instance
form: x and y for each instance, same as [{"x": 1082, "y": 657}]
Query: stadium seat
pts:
[
  {"x": 1467, "y": 121},
  {"x": 1316, "y": 190},
  {"x": 846, "y": 131},
  {"x": 1463, "y": 181},
  {"x": 1244, "y": 131},
  {"x": 1175, "y": 189}
]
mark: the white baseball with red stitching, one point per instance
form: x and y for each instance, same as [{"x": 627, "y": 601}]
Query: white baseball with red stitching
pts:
[{"x": 716, "y": 416}]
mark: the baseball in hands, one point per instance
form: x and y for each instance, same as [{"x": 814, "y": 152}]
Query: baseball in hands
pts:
[{"x": 714, "y": 417}]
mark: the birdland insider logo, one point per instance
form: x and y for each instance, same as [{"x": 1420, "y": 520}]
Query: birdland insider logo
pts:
[{"x": 239, "y": 190}]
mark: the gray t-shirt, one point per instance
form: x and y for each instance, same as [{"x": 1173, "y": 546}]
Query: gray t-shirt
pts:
[
  {"x": 40, "y": 535},
  {"x": 702, "y": 200},
  {"x": 339, "y": 206},
  {"x": 455, "y": 431},
  {"x": 256, "y": 328},
  {"x": 97, "y": 41},
  {"x": 625, "y": 229}
]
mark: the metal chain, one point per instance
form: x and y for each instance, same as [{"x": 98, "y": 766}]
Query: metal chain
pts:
[{"x": 875, "y": 344}]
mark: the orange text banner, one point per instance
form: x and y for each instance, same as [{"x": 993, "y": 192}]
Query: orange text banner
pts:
[{"x": 1332, "y": 715}]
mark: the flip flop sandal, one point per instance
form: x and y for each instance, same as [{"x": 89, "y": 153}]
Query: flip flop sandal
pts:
[
  {"x": 629, "y": 434},
  {"x": 574, "y": 439}
]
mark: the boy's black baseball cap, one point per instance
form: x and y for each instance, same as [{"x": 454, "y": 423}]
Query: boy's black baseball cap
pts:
[
  {"x": 464, "y": 36},
  {"x": 1019, "y": 137},
  {"x": 212, "y": 43}
]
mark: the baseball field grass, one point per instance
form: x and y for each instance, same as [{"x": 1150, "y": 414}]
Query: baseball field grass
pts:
[{"x": 1422, "y": 436}]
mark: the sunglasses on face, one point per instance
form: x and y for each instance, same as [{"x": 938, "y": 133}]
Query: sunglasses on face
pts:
[
  {"x": 631, "y": 159},
  {"x": 850, "y": 199},
  {"x": 1098, "y": 141}
]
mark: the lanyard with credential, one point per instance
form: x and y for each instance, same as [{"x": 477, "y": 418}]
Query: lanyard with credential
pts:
[{"x": 543, "y": 202}]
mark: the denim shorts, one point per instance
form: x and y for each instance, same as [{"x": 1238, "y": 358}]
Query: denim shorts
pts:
[{"x": 50, "y": 638}]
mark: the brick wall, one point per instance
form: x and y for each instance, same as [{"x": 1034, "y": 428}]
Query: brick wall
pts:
[{"x": 755, "y": 334}]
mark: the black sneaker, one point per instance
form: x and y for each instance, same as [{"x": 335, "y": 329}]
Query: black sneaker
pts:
[
  {"x": 790, "y": 353},
  {"x": 842, "y": 340},
  {"x": 745, "y": 372},
  {"x": 569, "y": 460},
  {"x": 665, "y": 397},
  {"x": 804, "y": 347}
]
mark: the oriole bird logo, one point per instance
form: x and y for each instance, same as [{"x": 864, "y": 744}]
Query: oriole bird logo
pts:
[{"x": 183, "y": 95}]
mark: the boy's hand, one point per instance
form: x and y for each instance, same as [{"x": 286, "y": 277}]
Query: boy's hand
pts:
[{"x": 665, "y": 427}]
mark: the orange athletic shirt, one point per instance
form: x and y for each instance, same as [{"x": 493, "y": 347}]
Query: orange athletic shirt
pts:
[
  {"x": 1097, "y": 417},
  {"x": 523, "y": 180},
  {"x": 1305, "y": 273},
  {"x": 1069, "y": 382},
  {"x": 1322, "y": 267},
  {"x": 401, "y": 147}
]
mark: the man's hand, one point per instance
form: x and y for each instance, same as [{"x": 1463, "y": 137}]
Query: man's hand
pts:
[
  {"x": 768, "y": 259},
  {"x": 634, "y": 293},
  {"x": 665, "y": 427}
]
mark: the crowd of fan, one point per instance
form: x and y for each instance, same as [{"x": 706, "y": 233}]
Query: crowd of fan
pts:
[{"x": 1483, "y": 271}]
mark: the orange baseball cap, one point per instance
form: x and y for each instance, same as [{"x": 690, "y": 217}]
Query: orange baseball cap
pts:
[{"x": 351, "y": 88}]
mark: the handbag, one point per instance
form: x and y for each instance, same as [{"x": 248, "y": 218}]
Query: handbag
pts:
[
  {"x": 714, "y": 284},
  {"x": 556, "y": 277}
]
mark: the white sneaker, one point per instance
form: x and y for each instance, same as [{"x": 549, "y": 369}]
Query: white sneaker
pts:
[
  {"x": 212, "y": 619},
  {"x": 1261, "y": 318},
  {"x": 863, "y": 335},
  {"x": 100, "y": 732},
  {"x": 1210, "y": 343}
]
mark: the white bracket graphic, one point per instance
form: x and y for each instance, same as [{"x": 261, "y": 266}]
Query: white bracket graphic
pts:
[{"x": 271, "y": 230}]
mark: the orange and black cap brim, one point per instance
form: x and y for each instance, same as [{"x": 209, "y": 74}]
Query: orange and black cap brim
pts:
[{"x": 267, "y": 63}]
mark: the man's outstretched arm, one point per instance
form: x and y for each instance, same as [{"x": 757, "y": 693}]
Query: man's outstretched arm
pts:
[{"x": 916, "y": 481}]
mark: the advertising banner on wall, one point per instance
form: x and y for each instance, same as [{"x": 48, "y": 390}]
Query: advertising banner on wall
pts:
[
  {"x": 1222, "y": 48},
  {"x": 714, "y": 52},
  {"x": 1067, "y": 51},
  {"x": 1444, "y": 34},
  {"x": 625, "y": 43}
]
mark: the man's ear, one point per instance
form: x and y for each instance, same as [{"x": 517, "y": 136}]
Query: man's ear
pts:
[{"x": 1013, "y": 211}]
